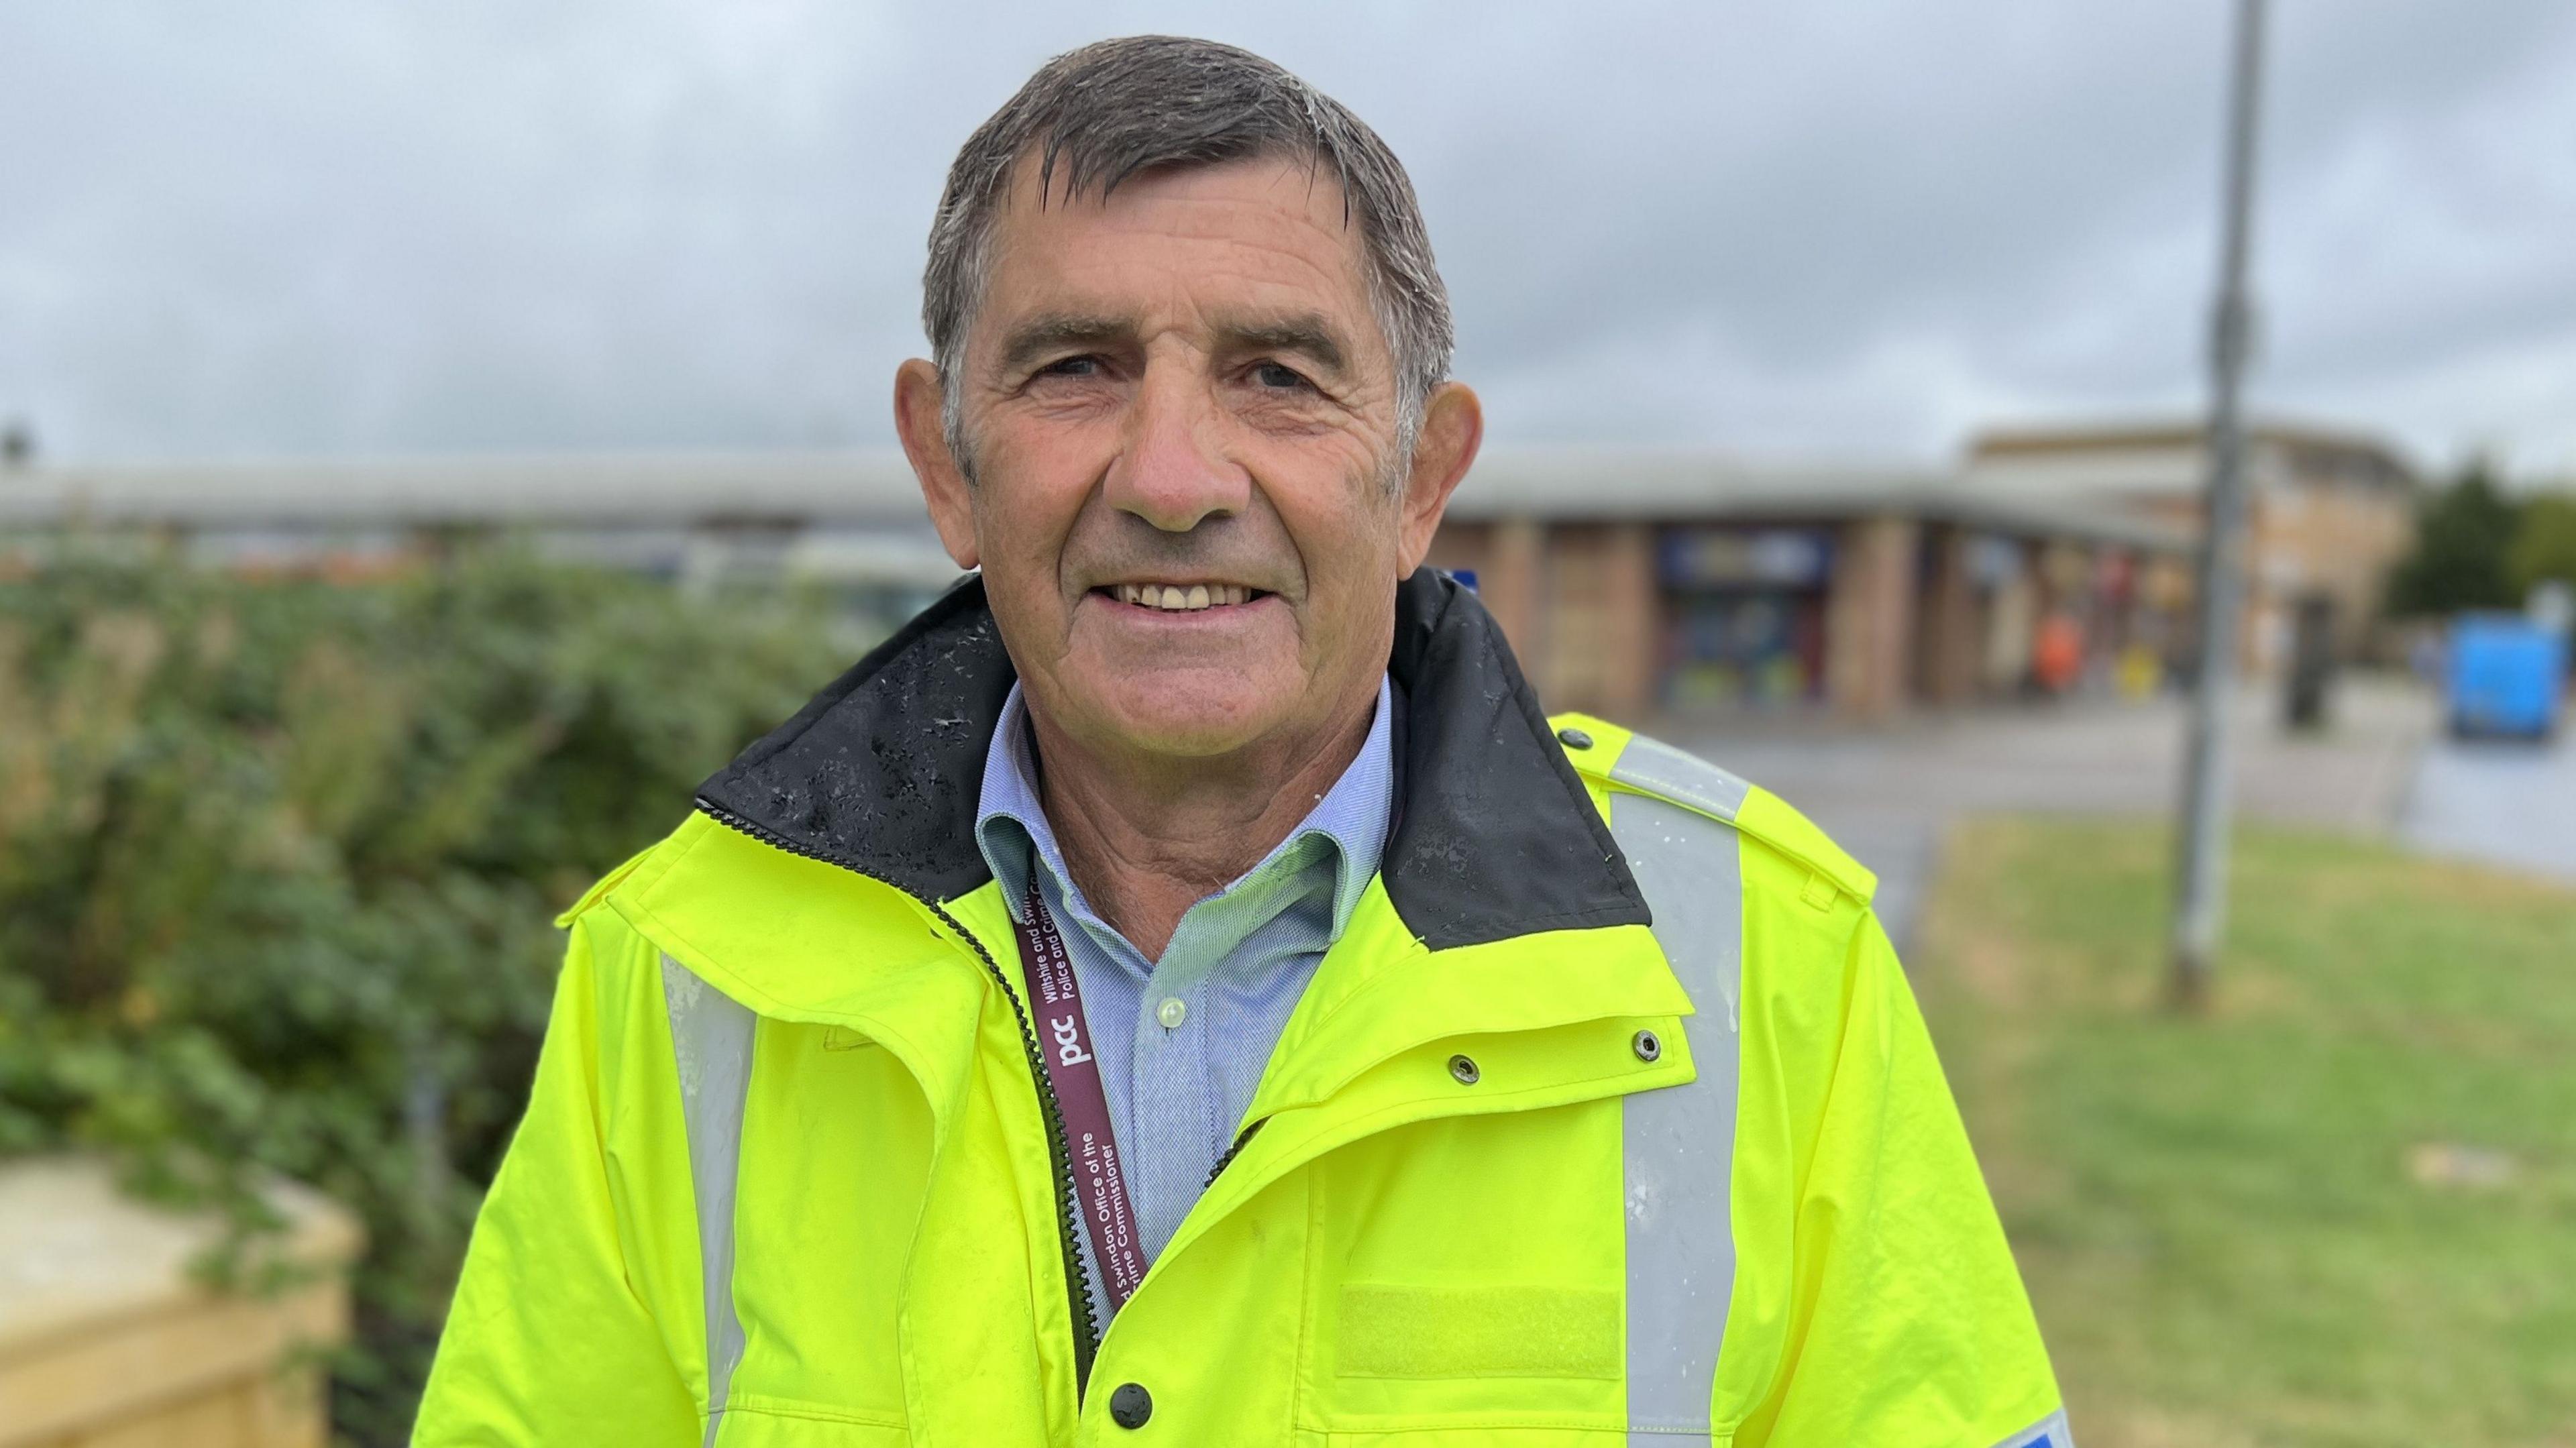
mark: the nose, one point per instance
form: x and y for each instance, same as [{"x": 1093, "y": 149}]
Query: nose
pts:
[{"x": 1170, "y": 471}]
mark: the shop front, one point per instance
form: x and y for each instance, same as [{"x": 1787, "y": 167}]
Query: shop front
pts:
[{"x": 1745, "y": 611}]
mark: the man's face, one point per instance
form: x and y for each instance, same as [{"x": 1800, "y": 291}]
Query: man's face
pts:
[{"x": 1180, "y": 414}]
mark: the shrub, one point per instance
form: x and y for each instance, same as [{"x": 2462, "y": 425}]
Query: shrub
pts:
[{"x": 277, "y": 861}]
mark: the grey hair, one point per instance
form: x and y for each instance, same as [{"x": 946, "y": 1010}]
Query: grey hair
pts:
[{"x": 1115, "y": 108}]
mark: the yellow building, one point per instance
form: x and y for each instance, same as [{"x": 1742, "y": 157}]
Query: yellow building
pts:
[{"x": 2331, "y": 511}]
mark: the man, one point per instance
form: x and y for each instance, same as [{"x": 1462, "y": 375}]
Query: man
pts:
[{"x": 1181, "y": 988}]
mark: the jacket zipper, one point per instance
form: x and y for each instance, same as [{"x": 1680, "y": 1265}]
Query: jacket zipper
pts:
[
  {"x": 1231, "y": 1153},
  {"x": 1077, "y": 1288}
]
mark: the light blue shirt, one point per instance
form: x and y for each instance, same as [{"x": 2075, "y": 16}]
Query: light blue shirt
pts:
[{"x": 1182, "y": 1041}]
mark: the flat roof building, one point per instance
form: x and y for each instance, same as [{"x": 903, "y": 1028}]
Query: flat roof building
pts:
[
  {"x": 1630, "y": 581},
  {"x": 1641, "y": 581}
]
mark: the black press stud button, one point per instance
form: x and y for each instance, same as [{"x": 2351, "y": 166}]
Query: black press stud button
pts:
[
  {"x": 1574, "y": 738},
  {"x": 1131, "y": 1405},
  {"x": 1464, "y": 1069},
  {"x": 1648, "y": 1046}
]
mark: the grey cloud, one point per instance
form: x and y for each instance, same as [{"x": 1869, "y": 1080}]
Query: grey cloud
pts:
[{"x": 1863, "y": 226}]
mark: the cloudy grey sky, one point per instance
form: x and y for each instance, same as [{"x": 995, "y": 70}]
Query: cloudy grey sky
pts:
[{"x": 1849, "y": 227}]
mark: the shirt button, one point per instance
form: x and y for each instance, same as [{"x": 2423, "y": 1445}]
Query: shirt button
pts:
[{"x": 1172, "y": 1012}]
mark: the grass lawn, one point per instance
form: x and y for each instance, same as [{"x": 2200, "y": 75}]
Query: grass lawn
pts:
[{"x": 2340, "y": 1210}]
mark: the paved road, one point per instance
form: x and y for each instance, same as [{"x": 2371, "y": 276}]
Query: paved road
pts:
[
  {"x": 1887, "y": 794},
  {"x": 2504, "y": 802}
]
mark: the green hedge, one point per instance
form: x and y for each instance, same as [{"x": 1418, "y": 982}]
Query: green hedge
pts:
[{"x": 278, "y": 857}]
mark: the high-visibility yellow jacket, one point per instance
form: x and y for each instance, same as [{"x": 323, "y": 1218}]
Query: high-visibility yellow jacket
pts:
[{"x": 1609, "y": 1122}]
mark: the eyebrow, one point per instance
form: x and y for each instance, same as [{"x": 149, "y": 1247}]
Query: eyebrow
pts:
[
  {"x": 1049, "y": 331},
  {"x": 1306, "y": 334}
]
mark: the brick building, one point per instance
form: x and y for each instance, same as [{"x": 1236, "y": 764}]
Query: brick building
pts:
[{"x": 1632, "y": 582}]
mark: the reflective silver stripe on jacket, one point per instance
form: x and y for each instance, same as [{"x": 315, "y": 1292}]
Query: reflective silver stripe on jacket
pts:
[
  {"x": 2048, "y": 1432},
  {"x": 1678, "y": 1143},
  {"x": 1649, "y": 765},
  {"x": 711, "y": 1039}
]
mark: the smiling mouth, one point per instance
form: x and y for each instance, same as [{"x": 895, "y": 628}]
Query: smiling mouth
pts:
[{"x": 1181, "y": 597}]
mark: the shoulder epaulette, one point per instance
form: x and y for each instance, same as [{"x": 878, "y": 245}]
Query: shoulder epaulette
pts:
[
  {"x": 606, "y": 883},
  {"x": 1620, "y": 759}
]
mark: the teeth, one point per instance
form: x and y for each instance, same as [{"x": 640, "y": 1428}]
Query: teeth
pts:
[{"x": 1175, "y": 599}]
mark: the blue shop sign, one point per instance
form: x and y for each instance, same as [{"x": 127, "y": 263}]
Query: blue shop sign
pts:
[{"x": 1747, "y": 557}]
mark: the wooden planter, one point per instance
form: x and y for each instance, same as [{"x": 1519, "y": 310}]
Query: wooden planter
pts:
[{"x": 106, "y": 1341}]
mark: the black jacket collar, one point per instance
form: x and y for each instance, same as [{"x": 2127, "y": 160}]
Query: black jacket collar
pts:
[{"x": 1494, "y": 835}]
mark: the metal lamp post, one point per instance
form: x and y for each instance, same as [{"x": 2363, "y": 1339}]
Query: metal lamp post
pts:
[{"x": 2200, "y": 906}]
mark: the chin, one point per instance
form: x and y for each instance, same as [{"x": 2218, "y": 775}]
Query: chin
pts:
[{"x": 1197, "y": 717}]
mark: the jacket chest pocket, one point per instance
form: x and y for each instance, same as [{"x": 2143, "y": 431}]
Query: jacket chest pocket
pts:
[
  {"x": 835, "y": 1163},
  {"x": 1469, "y": 1285}
]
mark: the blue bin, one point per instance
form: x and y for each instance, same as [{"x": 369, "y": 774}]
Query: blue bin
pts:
[{"x": 2508, "y": 675}]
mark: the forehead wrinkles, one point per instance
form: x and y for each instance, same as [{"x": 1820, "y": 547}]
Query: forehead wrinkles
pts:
[{"x": 1282, "y": 240}]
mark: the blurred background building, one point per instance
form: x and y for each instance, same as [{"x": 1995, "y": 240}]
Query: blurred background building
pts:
[
  {"x": 1634, "y": 583},
  {"x": 1630, "y": 581}
]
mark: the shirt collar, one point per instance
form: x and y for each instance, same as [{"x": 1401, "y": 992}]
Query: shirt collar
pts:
[{"x": 1348, "y": 825}]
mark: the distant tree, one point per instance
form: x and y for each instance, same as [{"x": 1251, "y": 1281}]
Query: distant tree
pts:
[
  {"x": 2544, "y": 547},
  {"x": 2463, "y": 536}
]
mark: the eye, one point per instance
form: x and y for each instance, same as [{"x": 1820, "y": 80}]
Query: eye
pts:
[
  {"x": 1279, "y": 375},
  {"x": 1085, "y": 365}
]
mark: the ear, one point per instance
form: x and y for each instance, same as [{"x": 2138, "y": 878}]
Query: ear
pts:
[
  {"x": 944, "y": 487},
  {"x": 1453, "y": 428}
]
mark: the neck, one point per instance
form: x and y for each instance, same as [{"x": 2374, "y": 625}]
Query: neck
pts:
[{"x": 1146, "y": 838}]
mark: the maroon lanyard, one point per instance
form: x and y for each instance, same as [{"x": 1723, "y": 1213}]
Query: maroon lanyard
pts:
[{"x": 1064, "y": 1043}]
